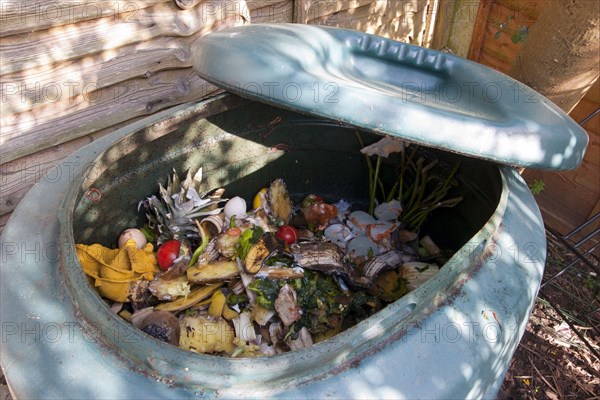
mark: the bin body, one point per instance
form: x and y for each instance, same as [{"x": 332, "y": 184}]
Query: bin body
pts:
[{"x": 451, "y": 338}]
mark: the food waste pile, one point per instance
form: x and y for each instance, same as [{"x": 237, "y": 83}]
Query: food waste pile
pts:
[{"x": 219, "y": 276}]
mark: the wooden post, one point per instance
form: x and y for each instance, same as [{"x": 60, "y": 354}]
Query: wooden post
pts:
[{"x": 479, "y": 29}]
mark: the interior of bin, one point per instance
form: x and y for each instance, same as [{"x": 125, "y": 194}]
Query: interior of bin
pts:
[{"x": 244, "y": 149}]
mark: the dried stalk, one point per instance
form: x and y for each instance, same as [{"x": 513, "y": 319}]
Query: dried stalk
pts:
[{"x": 542, "y": 376}]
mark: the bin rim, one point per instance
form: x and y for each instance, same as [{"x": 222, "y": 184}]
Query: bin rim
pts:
[
  {"x": 50, "y": 349},
  {"x": 421, "y": 95}
]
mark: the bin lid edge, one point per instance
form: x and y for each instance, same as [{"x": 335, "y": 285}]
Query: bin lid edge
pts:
[{"x": 385, "y": 86}]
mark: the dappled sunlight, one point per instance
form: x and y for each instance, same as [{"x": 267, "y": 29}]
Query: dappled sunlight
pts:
[
  {"x": 407, "y": 21},
  {"x": 342, "y": 350},
  {"x": 116, "y": 36},
  {"x": 453, "y": 337},
  {"x": 402, "y": 343},
  {"x": 83, "y": 75}
]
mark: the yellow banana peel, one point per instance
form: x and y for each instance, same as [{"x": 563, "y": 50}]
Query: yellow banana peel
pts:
[
  {"x": 193, "y": 298},
  {"x": 113, "y": 270}
]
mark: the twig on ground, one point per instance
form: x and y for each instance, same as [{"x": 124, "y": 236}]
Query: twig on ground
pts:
[
  {"x": 542, "y": 377},
  {"x": 538, "y": 355},
  {"x": 560, "y": 392}
]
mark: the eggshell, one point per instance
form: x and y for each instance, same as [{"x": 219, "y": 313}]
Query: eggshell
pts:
[
  {"x": 235, "y": 206},
  {"x": 339, "y": 234},
  {"x": 388, "y": 211},
  {"x": 135, "y": 234},
  {"x": 362, "y": 246},
  {"x": 359, "y": 220}
]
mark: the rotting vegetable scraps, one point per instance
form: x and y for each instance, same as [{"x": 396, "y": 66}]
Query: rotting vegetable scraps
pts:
[{"x": 272, "y": 279}]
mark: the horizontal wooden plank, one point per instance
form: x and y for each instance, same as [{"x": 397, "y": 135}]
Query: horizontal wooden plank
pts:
[
  {"x": 26, "y": 134},
  {"x": 399, "y": 20},
  {"x": 586, "y": 178},
  {"x": 18, "y": 124},
  {"x": 586, "y": 242},
  {"x": 51, "y": 84},
  {"x": 274, "y": 11},
  {"x": 18, "y": 176},
  {"x": 24, "y": 90},
  {"x": 556, "y": 215},
  {"x": 23, "y": 16},
  {"x": 492, "y": 61},
  {"x": 312, "y": 10},
  {"x": 54, "y": 45},
  {"x": 44, "y": 166},
  {"x": 556, "y": 223},
  {"x": 593, "y": 94},
  {"x": 558, "y": 194},
  {"x": 584, "y": 109},
  {"x": 595, "y": 210},
  {"x": 581, "y": 203},
  {"x": 562, "y": 186}
]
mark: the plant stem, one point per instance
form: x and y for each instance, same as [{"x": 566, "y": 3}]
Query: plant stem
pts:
[
  {"x": 369, "y": 164},
  {"x": 392, "y": 193},
  {"x": 374, "y": 186}
]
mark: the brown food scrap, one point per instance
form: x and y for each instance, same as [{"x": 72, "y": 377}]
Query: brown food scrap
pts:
[
  {"x": 286, "y": 305},
  {"x": 319, "y": 214}
]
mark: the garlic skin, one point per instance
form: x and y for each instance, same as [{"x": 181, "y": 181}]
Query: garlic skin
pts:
[{"x": 135, "y": 234}]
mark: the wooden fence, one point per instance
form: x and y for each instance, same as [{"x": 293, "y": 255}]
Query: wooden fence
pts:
[{"x": 569, "y": 198}]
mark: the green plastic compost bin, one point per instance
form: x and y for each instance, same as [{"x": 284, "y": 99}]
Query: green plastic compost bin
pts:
[{"x": 305, "y": 92}]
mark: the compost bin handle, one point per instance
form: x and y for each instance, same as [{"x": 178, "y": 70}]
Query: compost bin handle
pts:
[{"x": 401, "y": 53}]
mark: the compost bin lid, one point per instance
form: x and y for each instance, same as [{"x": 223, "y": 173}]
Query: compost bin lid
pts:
[{"x": 422, "y": 95}]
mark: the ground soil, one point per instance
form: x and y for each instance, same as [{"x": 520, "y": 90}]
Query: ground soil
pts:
[{"x": 552, "y": 361}]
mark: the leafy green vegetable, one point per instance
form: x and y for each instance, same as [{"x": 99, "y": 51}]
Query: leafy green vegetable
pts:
[
  {"x": 267, "y": 291},
  {"x": 279, "y": 260},
  {"x": 247, "y": 239},
  {"x": 322, "y": 302},
  {"x": 234, "y": 299}
]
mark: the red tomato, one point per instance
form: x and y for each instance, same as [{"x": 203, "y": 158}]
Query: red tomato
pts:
[
  {"x": 287, "y": 233},
  {"x": 167, "y": 253}
]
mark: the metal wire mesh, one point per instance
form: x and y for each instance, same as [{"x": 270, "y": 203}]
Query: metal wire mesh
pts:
[{"x": 571, "y": 283}]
